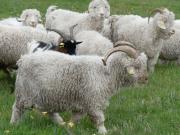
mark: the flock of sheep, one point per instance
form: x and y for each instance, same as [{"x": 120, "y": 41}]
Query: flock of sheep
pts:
[{"x": 77, "y": 61}]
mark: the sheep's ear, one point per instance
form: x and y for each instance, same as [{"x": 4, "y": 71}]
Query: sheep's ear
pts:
[
  {"x": 130, "y": 70},
  {"x": 78, "y": 43},
  {"x": 23, "y": 16},
  {"x": 161, "y": 25},
  {"x": 19, "y": 19}
]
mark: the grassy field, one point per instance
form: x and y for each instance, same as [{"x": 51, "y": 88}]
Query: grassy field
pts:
[{"x": 153, "y": 109}]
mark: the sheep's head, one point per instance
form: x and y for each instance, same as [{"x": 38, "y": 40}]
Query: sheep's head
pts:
[
  {"x": 163, "y": 21},
  {"x": 30, "y": 17},
  {"x": 100, "y": 8},
  {"x": 132, "y": 63},
  {"x": 66, "y": 44}
]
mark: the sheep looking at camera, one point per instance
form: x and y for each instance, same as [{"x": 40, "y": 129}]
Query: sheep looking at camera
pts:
[
  {"x": 28, "y": 17},
  {"x": 64, "y": 19},
  {"x": 55, "y": 82}
]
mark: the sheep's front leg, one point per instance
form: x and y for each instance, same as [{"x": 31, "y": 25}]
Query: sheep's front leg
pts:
[
  {"x": 56, "y": 118},
  {"x": 98, "y": 118},
  {"x": 152, "y": 62},
  {"x": 16, "y": 113}
]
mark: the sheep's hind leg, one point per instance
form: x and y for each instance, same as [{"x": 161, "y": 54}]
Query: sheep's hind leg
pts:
[
  {"x": 17, "y": 113},
  {"x": 98, "y": 118},
  {"x": 76, "y": 117},
  {"x": 56, "y": 118}
]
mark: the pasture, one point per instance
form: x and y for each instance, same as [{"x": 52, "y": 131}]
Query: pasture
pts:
[{"x": 152, "y": 109}]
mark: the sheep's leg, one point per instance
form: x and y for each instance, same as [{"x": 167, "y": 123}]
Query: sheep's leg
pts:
[
  {"x": 152, "y": 62},
  {"x": 56, "y": 118},
  {"x": 77, "y": 116},
  {"x": 17, "y": 112},
  {"x": 98, "y": 118}
]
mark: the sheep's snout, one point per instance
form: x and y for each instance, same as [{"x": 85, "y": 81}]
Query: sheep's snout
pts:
[
  {"x": 33, "y": 23},
  {"x": 143, "y": 79}
]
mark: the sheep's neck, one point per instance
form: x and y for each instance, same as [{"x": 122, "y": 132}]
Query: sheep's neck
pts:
[{"x": 116, "y": 77}]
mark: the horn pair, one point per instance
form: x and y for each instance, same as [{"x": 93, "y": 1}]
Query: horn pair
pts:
[
  {"x": 157, "y": 10},
  {"x": 121, "y": 47}
]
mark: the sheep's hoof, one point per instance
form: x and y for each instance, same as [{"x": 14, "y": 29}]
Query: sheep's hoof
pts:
[{"x": 102, "y": 130}]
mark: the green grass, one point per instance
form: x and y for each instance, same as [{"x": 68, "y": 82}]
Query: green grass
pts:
[{"x": 153, "y": 109}]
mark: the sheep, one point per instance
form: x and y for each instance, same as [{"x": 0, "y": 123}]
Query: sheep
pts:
[
  {"x": 171, "y": 48},
  {"x": 145, "y": 37},
  {"x": 93, "y": 43},
  {"x": 64, "y": 19},
  {"x": 28, "y": 17},
  {"x": 54, "y": 82},
  {"x": 13, "y": 42}
]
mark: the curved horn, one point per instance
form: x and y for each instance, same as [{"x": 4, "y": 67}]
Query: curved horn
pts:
[
  {"x": 122, "y": 43},
  {"x": 59, "y": 32},
  {"x": 72, "y": 31},
  {"x": 127, "y": 49},
  {"x": 157, "y": 10}
]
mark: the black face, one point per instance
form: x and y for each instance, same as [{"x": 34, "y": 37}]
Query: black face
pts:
[{"x": 70, "y": 45}]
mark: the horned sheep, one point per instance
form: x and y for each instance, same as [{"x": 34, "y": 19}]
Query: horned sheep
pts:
[
  {"x": 54, "y": 82},
  {"x": 145, "y": 37}
]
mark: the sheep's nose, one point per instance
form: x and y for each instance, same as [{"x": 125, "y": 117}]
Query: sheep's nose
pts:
[
  {"x": 143, "y": 79},
  {"x": 33, "y": 24}
]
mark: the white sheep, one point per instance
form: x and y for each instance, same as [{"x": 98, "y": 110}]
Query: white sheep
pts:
[
  {"x": 93, "y": 43},
  {"x": 54, "y": 82},
  {"x": 13, "y": 42},
  {"x": 146, "y": 37},
  {"x": 171, "y": 48},
  {"x": 28, "y": 17},
  {"x": 64, "y": 19}
]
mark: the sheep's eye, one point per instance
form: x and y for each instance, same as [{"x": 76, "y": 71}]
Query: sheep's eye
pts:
[{"x": 95, "y": 7}]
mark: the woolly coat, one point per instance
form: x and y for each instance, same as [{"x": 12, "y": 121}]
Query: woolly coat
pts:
[
  {"x": 13, "y": 42},
  {"x": 93, "y": 43},
  {"x": 56, "y": 82},
  {"x": 171, "y": 48}
]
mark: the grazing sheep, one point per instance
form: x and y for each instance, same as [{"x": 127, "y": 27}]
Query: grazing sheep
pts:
[
  {"x": 146, "y": 37},
  {"x": 171, "y": 48},
  {"x": 64, "y": 19},
  {"x": 29, "y": 17},
  {"x": 55, "y": 82}
]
